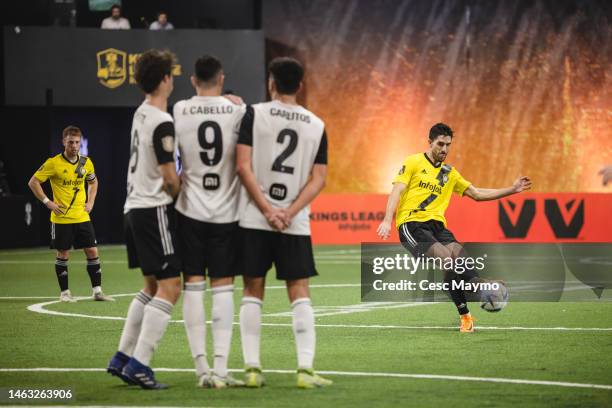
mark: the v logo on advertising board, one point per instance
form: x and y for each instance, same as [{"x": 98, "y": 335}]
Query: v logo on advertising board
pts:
[
  {"x": 515, "y": 218},
  {"x": 566, "y": 220}
]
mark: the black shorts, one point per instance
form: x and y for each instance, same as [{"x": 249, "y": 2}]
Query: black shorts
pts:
[
  {"x": 208, "y": 246},
  {"x": 78, "y": 235},
  {"x": 418, "y": 237},
  {"x": 150, "y": 236},
  {"x": 291, "y": 254}
]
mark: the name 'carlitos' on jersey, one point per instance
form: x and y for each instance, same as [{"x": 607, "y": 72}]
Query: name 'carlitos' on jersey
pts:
[
  {"x": 428, "y": 189},
  {"x": 286, "y": 141},
  {"x": 207, "y": 132}
]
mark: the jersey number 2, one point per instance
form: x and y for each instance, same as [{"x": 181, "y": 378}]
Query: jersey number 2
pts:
[{"x": 293, "y": 141}]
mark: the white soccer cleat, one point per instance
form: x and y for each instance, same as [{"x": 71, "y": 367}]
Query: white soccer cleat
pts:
[
  {"x": 101, "y": 297},
  {"x": 67, "y": 297},
  {"x": 216, "y": 381}
]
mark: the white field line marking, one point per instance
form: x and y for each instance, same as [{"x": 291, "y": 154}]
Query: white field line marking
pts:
[
  {"x": 115, "y": 262},
  {"x": 40, "y": 308},
  {"x": 321, "y": 311},
  {"x": 319, "y": 286},
  {"x": 350, "y": 374}
]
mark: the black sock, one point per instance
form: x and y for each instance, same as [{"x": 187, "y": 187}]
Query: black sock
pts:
[
  {"x": 95, "y": 272},
  {"x": 61, "y": 270},
  {"x": 457, "y": 295}
]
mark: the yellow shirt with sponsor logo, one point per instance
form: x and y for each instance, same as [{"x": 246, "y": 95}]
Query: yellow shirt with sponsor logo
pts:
[
  {"x": 428, "y": 189},
  {"x": 68, "y": 182}
]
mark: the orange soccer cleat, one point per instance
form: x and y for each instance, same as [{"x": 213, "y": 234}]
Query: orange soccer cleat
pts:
[{"x": 467, "y": 323}]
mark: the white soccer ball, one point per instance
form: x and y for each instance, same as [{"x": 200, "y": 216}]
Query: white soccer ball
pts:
[{"x": 494, "y": 300}]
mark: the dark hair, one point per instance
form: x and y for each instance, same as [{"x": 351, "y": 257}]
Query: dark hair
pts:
[
  {"x": 440, "y": 129},
  {"x": 207, "y": 68},
  {"x": 115, "y": 6},
  {"x": 151, "y": 68},
  {"x": 287, "y": 74},
  {"x": 71, "y": 131},
  {"x": 159, "y": 13}
]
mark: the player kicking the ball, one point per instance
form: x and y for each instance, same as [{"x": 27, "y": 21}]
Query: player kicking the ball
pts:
[
  {"x": 421, "y": 192},
  {"x": 207, "y": 213},
  {"x": 282, "y": 162}
]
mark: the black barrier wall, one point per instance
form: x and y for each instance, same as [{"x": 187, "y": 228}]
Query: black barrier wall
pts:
[{"x": 92, "y": 67}]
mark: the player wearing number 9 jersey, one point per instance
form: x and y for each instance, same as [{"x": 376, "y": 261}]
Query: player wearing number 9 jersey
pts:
[
  {"x": 282, "y": 162},
  {"x": 421, "y": 193},
  {"x": 207, "y": 212}
]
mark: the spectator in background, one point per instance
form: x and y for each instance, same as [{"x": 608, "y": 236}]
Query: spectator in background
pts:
[
  {"x": 162, "y": 22},
  {"x": 115, "y": 21}
]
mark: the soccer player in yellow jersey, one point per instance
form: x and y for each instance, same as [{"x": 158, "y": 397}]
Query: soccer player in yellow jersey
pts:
[
  {"x": 69, "y": 173},
  {"x": 421, "y": 192}
]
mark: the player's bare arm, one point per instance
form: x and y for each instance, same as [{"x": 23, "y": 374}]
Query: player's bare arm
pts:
[
  {"x": 521, "y": 184},
  {"x": 244, "y": 168},
  {"x": 39, "y": 193},
  {"x": 92, "y": 191},
  {"x": 384, "y": 229},
  {"x": 172, "y": 182},
  {"x": 313, "y": 187}
]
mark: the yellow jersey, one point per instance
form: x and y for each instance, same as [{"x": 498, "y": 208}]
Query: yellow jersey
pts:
[
  {"x": 68, "y": 182},
  {"x": 428, "y": 189}
]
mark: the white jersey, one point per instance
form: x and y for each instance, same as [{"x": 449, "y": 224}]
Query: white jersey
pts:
[
  {"x": 152, "y": 145},
  {"x": 207, "y": 132},
  {"x": 287, "y": 141}
]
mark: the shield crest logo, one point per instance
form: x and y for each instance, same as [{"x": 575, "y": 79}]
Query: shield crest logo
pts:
[{"x": 112, "y": 70}]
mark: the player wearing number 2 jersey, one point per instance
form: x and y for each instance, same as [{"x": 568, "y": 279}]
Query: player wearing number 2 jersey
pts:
[
  {"x": 421, "y": 192},
  {"x": 282, "y": 162},
  {"x": 207, "y": 211}
]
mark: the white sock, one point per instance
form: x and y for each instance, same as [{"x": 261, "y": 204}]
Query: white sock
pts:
[
  {"x": 154, "y": 322},
  {"x": 133, "y": 322},
  {"x": 222, "y": 319},
  {"x": 195, "y": 324},
  {"x": 250, "y": 330},
  {"x": 304, "y": 332},
  {"x": 97, "y": 289}
]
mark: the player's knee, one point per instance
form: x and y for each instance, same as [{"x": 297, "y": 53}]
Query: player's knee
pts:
[
  {"x": 228, "y": 280},
  {"x": 91, "y": 252},
  {"x": 253, "y": 287},
  {"x": 169, "y": 289},
  {"x": 63, "y": 254},
  {"x": 194, "y": 278},
  {"x": 297, "y": 289}
]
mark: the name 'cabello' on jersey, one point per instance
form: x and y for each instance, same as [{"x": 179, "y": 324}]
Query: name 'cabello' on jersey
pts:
[
  {"x": 207, "y": 110},
  {"x": 207, "y": 146}
]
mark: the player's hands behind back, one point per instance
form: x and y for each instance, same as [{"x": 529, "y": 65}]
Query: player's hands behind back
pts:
[{"x": 522, "y": 183}]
